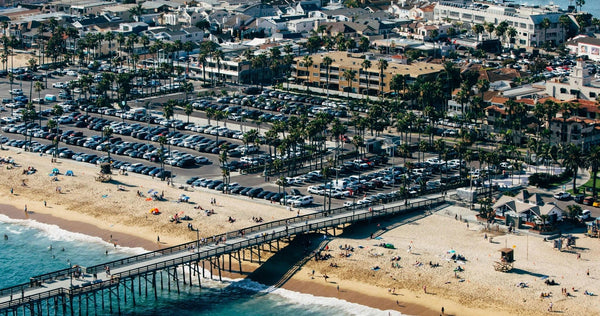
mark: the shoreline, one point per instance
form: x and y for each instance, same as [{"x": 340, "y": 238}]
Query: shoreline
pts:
[
  {"x": 369, "y": 274},
  {"x": 295, "y": 284}
]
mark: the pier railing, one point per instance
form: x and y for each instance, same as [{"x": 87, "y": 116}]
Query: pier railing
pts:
[
  {"x": 260, "y": 228},
  {"x": 259, "y": 234}
]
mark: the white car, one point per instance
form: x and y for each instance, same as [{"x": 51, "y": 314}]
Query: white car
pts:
[
  {"x": 59, "y": 85},
  {"x": 562, "y": 195}
]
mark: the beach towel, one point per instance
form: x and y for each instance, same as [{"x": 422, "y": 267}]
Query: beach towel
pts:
[
  {"x": 375, "y": 268},
  {"x": 105, "y": 196}
]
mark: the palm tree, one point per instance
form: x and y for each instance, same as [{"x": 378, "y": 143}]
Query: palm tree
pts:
[
  {"x": 223, "y": 161},
  {"x": 477, "y": 29},
  {"x": 106, "y": 134},
  {"x": 382, "y": 64},
  {"x": 573, "y": 160},
  {"x": 218, "y": 56},
  {"x": 490, "y": 27},
  {"x": 565, "y": 23},
  {"x": 327, "y": 61},
  {"x": 545, "y": 25},
  {"x": 162, "y": 140},
  {"x": 593, "y": 161},
  {"x": 349, "y": 75},
  {"x": 512, "y": 33},
  {"x": 308, "y": 62},
  {"x": 188, "y": 110},
  {"x": 32, "y": 64},
  {"x": 365, "y": 66},
  {"x": 39, "y": 86}
]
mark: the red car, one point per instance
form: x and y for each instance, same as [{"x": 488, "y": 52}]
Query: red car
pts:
[{"x": 588, "y": 200}]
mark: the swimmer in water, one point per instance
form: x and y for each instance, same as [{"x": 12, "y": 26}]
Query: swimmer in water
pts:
[
  {"x": 50, "y": 247},
  {"x": 63, "y": 249},
  {"x": 5, "y": 237}
]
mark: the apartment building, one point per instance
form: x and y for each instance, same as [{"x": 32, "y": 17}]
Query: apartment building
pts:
[
  {"x": 526, "y": 20},
  {"x": 316, "y": 74}
]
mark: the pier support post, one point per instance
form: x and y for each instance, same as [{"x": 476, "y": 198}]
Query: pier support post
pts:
[
  {"x": 190, "y": 274},
  {"x": 239, "y": 260},
  {"x": 230, "y": 262},
  {"x": 219, "y": 266},
  {"x": 203, "y": 269},
  {"x": 154, "y": 284},
  {"x": 118, "y": 299},
  {"x": 198, "y": 272},
  {"x": 133, "y": 290},
  {"x": 183, "y": 273}
]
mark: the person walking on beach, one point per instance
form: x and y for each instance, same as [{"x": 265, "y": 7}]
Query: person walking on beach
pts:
[
  {"x": 158, "y": 239},
  {"x": 550, "y": 307},
  {"x": 425, "y": 289},
  {"x": 11, "y": 191}
]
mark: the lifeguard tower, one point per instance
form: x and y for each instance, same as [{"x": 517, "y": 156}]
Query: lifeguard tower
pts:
[{"x": 506, "y": 260}]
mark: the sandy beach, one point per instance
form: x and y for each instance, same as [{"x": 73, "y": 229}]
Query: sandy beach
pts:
[{"x": 365, "y": 273}]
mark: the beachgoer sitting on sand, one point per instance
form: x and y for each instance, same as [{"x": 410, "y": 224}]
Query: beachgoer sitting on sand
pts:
[{"x": 120, "y": 188}]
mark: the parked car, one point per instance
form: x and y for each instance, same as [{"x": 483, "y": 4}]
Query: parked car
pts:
[
  {"x": 561, "y": 196},
  {"x": 585, "y": 215}
]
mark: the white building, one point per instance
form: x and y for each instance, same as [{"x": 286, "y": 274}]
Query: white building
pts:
[
  {"x": 526, "y": 20},
  {"x": 582, "y": 45},
  {"x": 580, "y": 85}
]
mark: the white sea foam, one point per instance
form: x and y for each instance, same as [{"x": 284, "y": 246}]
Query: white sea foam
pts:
[
  {"x": 314, "y": 302},
  {"x": 53, "y": 232}
]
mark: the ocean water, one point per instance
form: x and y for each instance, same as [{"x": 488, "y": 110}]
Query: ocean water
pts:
[
  {"x": 591, "y": 6},
  {"x": 34, "y": 248}
]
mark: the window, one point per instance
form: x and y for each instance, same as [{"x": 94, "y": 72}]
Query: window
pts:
[
  {"x": 592, "y": 94},
  {"x": 563, "y": 90}
]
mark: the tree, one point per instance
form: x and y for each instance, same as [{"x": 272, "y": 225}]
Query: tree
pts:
[
  {"x": 382, "y": 64},
  {"x": 188, "y": 110},
  {"x": 349, "y": 75},
  {"x": 365, "y": 67},
  {"x": 39, "y": 86},
  {"x": 162, "y": 140},
  {"x": 545, "y": 25},
  {"x": 223, "y": 161},
  {"x": 593, "y": 161},
  {"x": 364, "y": 44},
  {"x": 580, "y": 4},
  {"x": 573, "y": 160},
  {"x": 106, "y": 134},
  {"x": 327, "y": 61},
  {"x": 477, "y": 29},
  {"x": 512, "y": 33},
  {"x": 32, "y": 64},
  {"x": 490, "y": 27},
  {"x": 308, "y": 62},
  {"x": 565, "y": 23}
]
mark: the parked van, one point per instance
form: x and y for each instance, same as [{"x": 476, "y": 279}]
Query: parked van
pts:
[
  {"x": 50, "y": 98},
  {"x": 303, "y": 201}
]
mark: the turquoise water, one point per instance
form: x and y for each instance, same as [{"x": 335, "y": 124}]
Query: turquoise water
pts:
[
  {"x": 591, "y": 6},
  {"x": 35, "y": 248}
]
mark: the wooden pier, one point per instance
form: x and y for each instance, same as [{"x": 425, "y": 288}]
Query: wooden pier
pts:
[{"x": 84, "y": 290}]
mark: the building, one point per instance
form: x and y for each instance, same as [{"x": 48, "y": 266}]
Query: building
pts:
[
  {"x": 579, "y": 85},
  {"x": 581, "y": 127},
  {"x": 316, "y": 74},
  {"x": 529, "y": 208},
  {"x": 526, "y": 20},
  {"x": 582, "y": 45}
]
